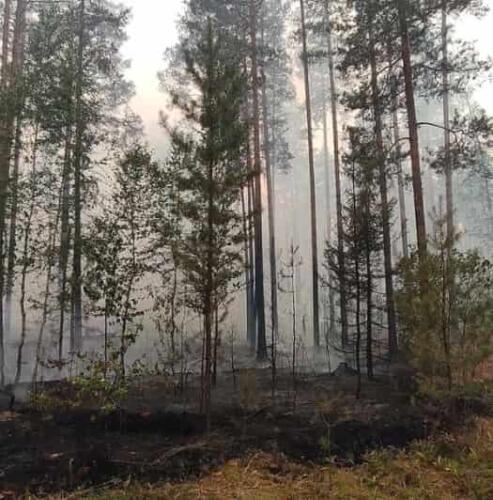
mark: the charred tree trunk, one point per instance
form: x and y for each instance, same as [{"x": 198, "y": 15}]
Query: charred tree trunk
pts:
[{"x": 311, "y": 166}]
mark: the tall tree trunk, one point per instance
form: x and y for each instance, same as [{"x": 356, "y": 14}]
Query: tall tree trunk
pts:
[
  {"x": 311, "y": 165},
  {"x": 272, "y": 215},
  {"x": 12, "y": 248},
  {"x": 449, "y": 194},
  {"x": 52, "y": 235},
  {"x": 78, "y": 160},
  {"x": 251, "y": 269},
  {"x": 257, "y": 166},
  {"x": 337, "y": 173},
  {"x": 400, "y": 175},
  {"x": 328, "y": 195},
  {"x": 248, "y": 263},
  {"x": 25, "y": 261},
  {"x": 11, "y": 94},
  {"x": 64, "y": 237},
  {"x": 7, "y": 14},
  {"x": 357, "y": 281},
  {"x": 217, "y": 341},
  {"x": 209, "y": 303},
  {"x": 248, "y": 228},
  {"x": 369, "y": 314},
  {"x": 128, "y": 297},
  {"x": 413, "y": 127},
  {"x": 18, "y": 51},
  {"x": 382, "y": 178}
]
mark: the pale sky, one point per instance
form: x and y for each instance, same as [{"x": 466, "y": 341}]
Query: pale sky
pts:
[{"x": 153, "y": 28}]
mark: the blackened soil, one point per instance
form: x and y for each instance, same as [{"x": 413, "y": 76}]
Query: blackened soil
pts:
[{"x": 43, "y": 453}]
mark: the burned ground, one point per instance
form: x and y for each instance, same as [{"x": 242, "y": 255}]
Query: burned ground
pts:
[{"x": 160, "y": 434}]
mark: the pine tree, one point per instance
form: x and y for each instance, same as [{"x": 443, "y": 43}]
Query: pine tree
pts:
[
  {"x": 211, "y": 177},
  {"x": 311, "y": 167}
]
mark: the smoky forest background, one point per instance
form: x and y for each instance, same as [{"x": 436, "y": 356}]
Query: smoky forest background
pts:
[{"x": 317, "y": 218}]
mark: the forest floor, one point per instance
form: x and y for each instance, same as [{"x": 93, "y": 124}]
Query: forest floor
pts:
[{"x": 313, "y": 440}]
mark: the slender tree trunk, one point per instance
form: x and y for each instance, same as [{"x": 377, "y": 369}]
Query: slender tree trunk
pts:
[
  {"x": 259, "y": 252},
  {"x": 18, "y": 51},
  {"x": 12, "y": 248},
  {"x": 337, "y": 174},
  {"x": 248, "y": 264},
  {"x": 25, "y": 261},
  {"x": 52, "y": 235},
  {"x": 313, "y": 199},
  {"x": 419, "y": 207},
  {"x": 369, "y": 306},
  {"x": 252, "y": 268},
  {"x": 78, "y": 161},
  {"x": 217, "y": 340},
  {"x": 272, "y": 220},
  {"x": 173, "y": 328},
  {"x": 248, "y": 228},
  {"x": 357, "y": 280},
  {"x": 7, "y": 14},
  {"x": 445, "y": 301},
  {"x": 10, "y": 89},
  {"x": 382, "y": 178},
  {"x": 400, "y": 175},
  {"x": 128, "y": 291},
  {"x": 328, "y": 196},
  {"x": 106, "y": 314},
  {"x": 209, "y": 302},
  {"x": 64, "y": 238},
  {"x": 294, "y": 314},
  {"x": 449, "y": 193}
]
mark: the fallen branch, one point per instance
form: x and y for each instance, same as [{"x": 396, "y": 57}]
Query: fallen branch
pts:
[{"x": 177, "y": 451}]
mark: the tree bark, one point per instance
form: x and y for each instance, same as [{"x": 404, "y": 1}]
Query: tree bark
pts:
[
  {"x": 328, "y": 195},
  {"x": 449, "y": 193},
  {"x": 25, "y": 261},
  {"x": 385, "y": 212},
  {"x": 64, "y": 237},
  {"x": 413, "y": 129},
  {"x": 10, "y": 79},
  {"x": 76, "y": 343},
  {"x": 7, "y": 14},
  {"x": 311, "y": 166},
  {"x": 337, "y": 174},
  {"x": 257, "y": 167},
  {"x": 12, "y": 246},
  {"x": 271, "y": 214},
  {"x": 400, "y": 176}
]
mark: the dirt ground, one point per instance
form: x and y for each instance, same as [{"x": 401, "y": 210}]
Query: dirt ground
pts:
[{"x": 160, "y": 435}]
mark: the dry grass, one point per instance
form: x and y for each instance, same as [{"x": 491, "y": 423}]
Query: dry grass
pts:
[{"x": 451, "y": 467}]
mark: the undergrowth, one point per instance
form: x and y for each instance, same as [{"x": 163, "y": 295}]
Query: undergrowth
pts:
[{"x": 450, "y": 466}]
